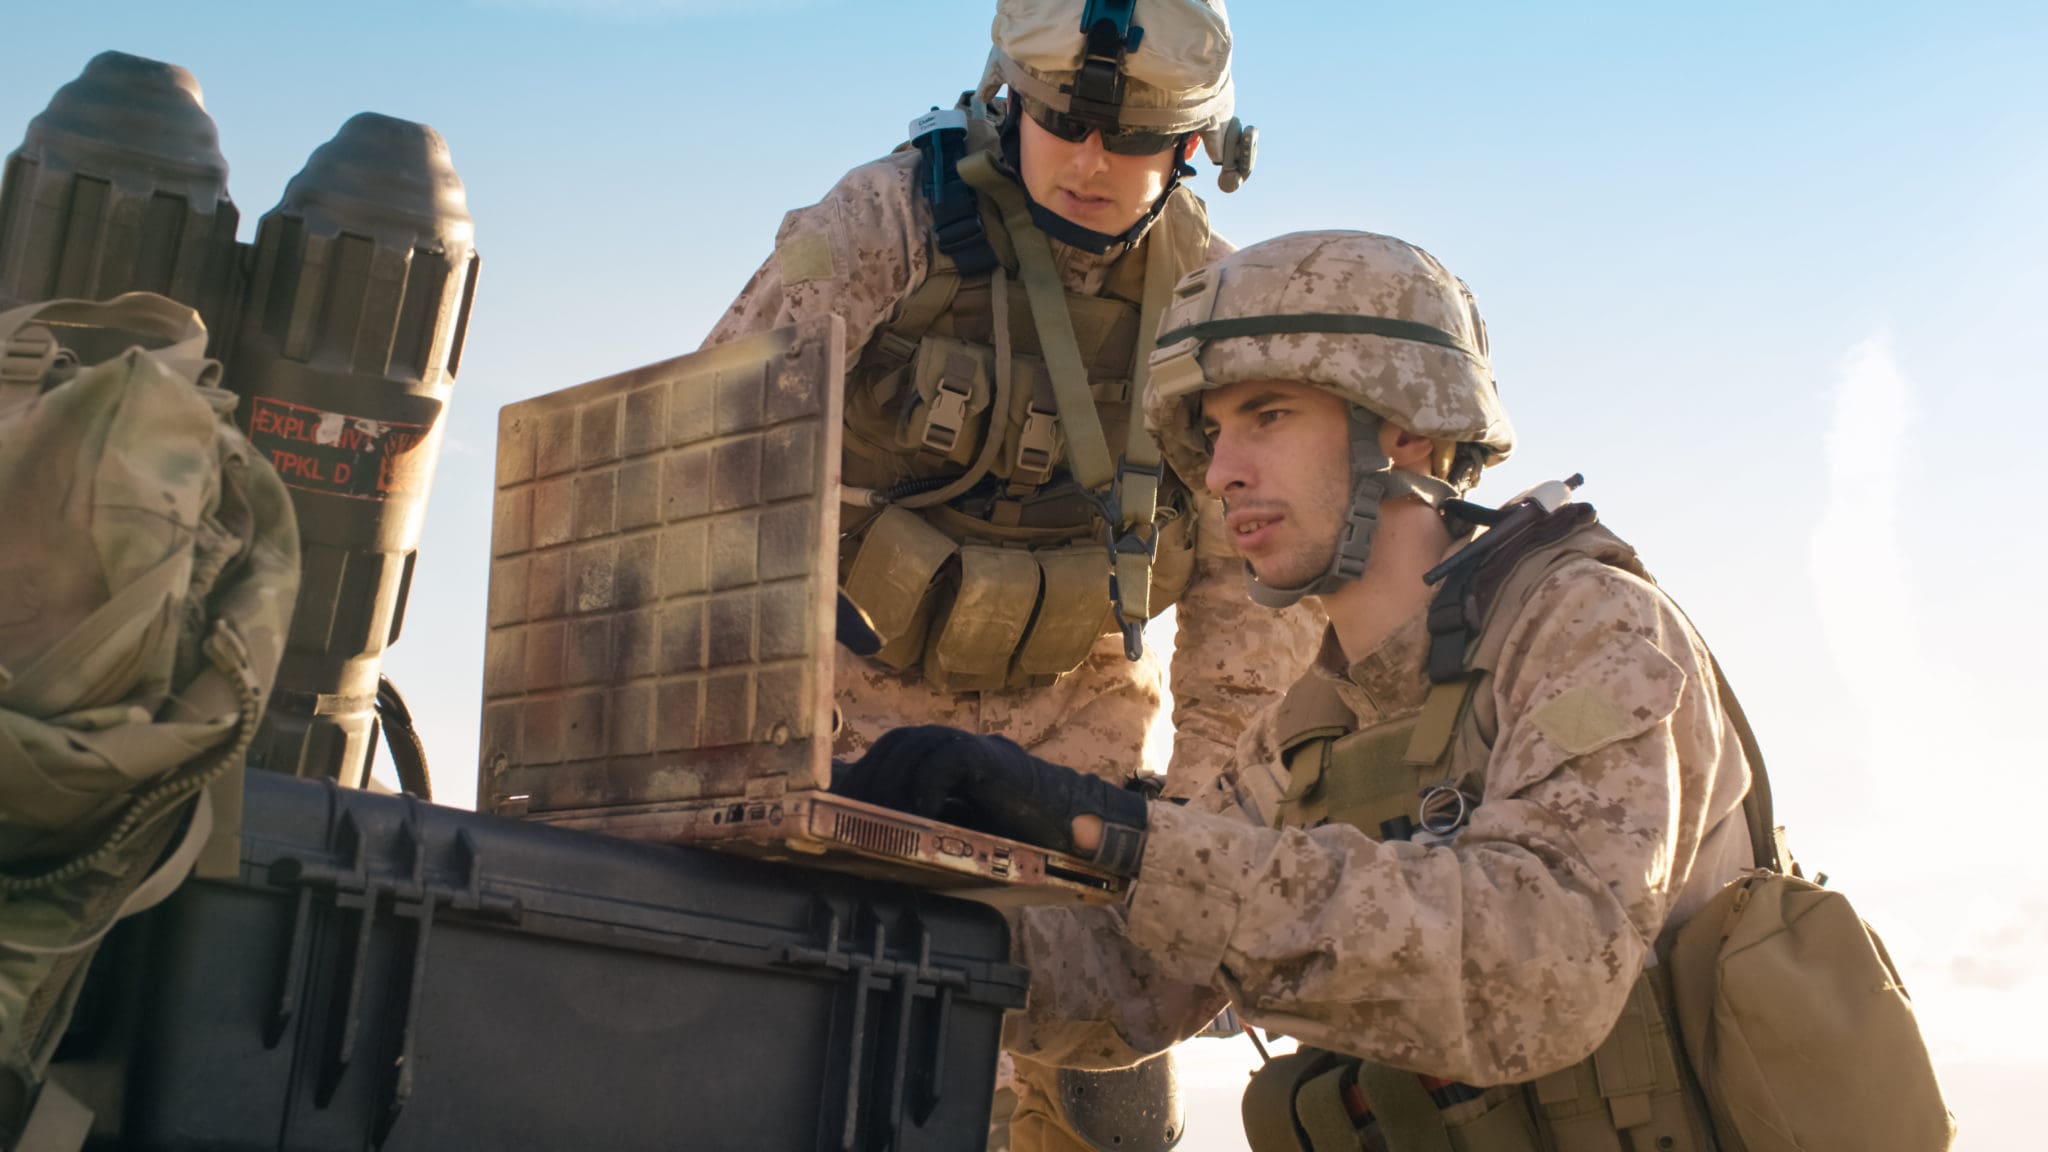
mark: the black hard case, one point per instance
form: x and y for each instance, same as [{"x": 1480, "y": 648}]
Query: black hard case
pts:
[{"x": 390, "y": 974}]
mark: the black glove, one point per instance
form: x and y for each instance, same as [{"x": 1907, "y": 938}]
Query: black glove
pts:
[{"x": 989, "y": 784}]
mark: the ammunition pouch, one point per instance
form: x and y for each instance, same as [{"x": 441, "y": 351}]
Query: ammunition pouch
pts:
[
  {"x": 892, "y": 578},
  {"x": 1315, "y": 1100},
  {"x": 945, "y": 412},
  {"x": 1072, "y": 614},
  {"x": 988, "y": 615},
  {"x": 993, "y": 598}
]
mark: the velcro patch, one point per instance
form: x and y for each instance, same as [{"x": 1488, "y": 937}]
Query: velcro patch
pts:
[
  {"x": 1580, "y": 719},
  {"x": 805, "y": 257}
]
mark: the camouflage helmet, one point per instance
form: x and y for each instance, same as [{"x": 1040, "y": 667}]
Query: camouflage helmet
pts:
[
  {"x": 1376, "y": 321},
  {"x": 1131, "y": 65},
  {"x": 1373, "y": 319}
]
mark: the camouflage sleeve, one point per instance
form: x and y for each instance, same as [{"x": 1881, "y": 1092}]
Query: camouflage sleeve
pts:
[
  {"x": 1096, "y": 999},
  {"x": 1507, "y": 952},
  {"x": 857, "y": 252},
  {"x": 1232, "y": 659}
]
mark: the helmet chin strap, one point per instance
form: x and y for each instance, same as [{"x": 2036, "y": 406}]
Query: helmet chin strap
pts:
[
  {"x": 1374, "y": 481},
  {"x": 1087, "y": 239}
]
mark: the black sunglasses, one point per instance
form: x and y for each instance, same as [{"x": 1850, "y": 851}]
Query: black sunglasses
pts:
[{"x": 1128, "y": 142}]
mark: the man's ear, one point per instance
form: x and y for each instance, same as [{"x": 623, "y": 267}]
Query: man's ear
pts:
[
  {"x": 1408, "y": 451},
  {"x": 1188, "y": 146}
]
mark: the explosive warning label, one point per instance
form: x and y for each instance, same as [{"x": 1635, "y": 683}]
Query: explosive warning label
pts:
[{"x": 336, "y": 453}]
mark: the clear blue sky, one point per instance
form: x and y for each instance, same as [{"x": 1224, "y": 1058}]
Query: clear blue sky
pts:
[{"x": 1773, "y": 275}]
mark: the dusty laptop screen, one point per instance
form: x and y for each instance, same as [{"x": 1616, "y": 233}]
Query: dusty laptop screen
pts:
[{"x": 662, "y": 581}]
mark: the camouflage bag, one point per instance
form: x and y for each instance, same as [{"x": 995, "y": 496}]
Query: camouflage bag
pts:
[{"x": 147, "y": 579}]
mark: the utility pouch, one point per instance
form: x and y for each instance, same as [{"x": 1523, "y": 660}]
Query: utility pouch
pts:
[
  {"x": 1317, "y": 1101},
  {"x": 943, "y": 414},
  {"x": 1073, "y": 612},
  {"x": 992, "y": 604},
  {"x": 1034, "y": 441},
  {"x": 891, "y": 580},
  {"x": 1798, "y": 1028},
  {"x": 1632, "y": 1093}
]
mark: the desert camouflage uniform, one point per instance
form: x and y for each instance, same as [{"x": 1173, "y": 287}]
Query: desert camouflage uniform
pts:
[
  {"x": 1610, "y": 811},
  {"x": 860, "y": 252}
]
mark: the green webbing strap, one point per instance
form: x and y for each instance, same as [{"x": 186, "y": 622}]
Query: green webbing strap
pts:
[
  {"x": 1408, "y": 1118},
  {"x": 1139, "y": 447},
  {"x": 1767, "y": 847},
  {"x": 1138, "y": 480},
  {"x": 1087, "y": 449},
  {"x": 897, "y": 340},
  {"x": 1318, "y": 322},
  {"x": 1439, "y": 721}
]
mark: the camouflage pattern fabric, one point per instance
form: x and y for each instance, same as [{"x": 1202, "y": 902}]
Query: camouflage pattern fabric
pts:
[
  {"x": 860, "y": 252},
  {"x": 144, "y": 598},
  {"x": 1444, "y": 390},
  {"x": 1611, "y": 810}
]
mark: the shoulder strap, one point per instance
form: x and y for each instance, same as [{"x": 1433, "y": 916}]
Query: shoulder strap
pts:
[
  {"x": 34, "y": 336},
  {"x": 1465, "y": 603},
  {"x": 961, "y": 246},
  {"x": 1087, "y": 448},
  {"x": 941, "y": 138},
  {"x": 1462, "y": 643},
  {"x": 1766, "y": 840},
  {"x": 1140, "y": 472}
]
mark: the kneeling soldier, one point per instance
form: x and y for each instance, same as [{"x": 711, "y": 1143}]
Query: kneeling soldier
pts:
[{"x": 1508, "y": 778}]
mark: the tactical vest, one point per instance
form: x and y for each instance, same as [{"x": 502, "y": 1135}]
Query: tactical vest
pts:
[
  {"x": 1635, "y": 1094},
  {"x": 999, "y": 537}
]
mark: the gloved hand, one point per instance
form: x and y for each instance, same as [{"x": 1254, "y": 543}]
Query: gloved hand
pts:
[{"x": 989, "y": 784}]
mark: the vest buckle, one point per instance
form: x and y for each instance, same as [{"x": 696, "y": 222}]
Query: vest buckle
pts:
[
  {"x": 1037, "y": 444},
  {"x": 26, "y": 358},
  {"x": 948, "y": 416}
]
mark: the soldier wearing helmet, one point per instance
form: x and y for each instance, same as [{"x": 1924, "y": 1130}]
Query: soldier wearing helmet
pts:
[
  {"x": 1009, "y": 525},
  {"x": 1444, "y": 861}
]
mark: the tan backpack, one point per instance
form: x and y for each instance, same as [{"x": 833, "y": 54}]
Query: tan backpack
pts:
[{"x": 1792, "y": 1015}]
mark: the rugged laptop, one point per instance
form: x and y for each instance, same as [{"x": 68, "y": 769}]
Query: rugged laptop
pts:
[{"x": 663, "y": 602}]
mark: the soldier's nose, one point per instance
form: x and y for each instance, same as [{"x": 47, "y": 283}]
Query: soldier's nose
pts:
[{"x": 1228, "y": 470}]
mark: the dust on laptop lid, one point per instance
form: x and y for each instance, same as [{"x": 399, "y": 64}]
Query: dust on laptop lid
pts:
[
  {"x": 663, "y": 581},
  {"x": 663, "y": 605}
]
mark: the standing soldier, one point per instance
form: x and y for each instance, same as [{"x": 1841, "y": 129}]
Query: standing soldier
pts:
[{"x": 1009, "y": 526}]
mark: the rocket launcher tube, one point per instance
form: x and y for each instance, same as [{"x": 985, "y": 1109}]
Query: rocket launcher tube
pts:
[{"x": 358, "y": 304}]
